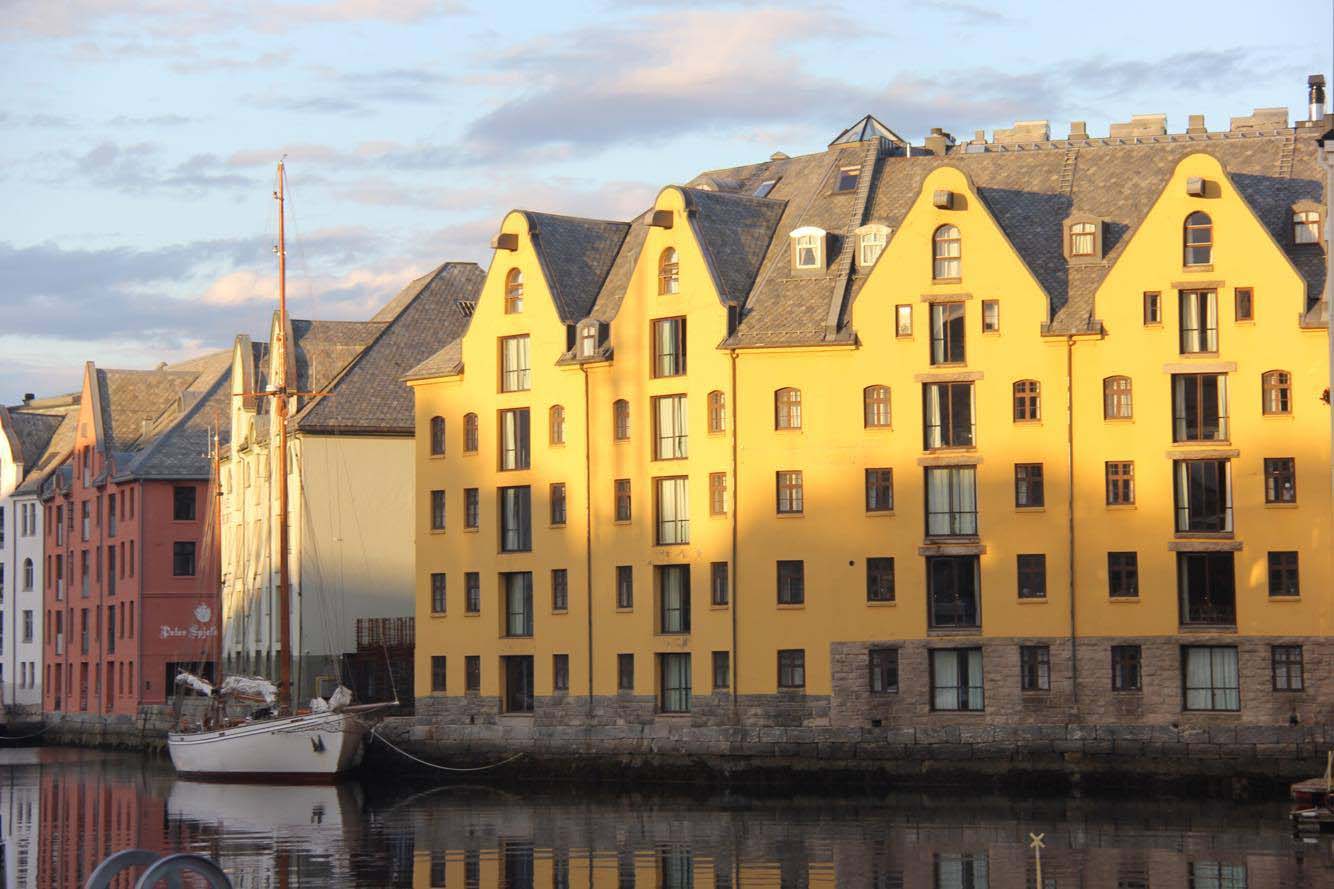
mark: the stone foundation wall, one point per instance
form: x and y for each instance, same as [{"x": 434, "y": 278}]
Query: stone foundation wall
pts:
[{"x": 146, "y": 730}]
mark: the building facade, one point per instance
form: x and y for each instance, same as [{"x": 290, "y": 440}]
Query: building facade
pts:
[{"x": 1005, "y": 432}]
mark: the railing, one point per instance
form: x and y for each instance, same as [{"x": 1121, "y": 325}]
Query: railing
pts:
[{"x": 386, "y": 632}]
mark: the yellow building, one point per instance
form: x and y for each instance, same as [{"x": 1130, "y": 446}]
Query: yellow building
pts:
[{"x": 1017, "y": 431}]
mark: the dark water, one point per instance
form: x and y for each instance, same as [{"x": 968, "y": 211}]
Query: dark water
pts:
[{"x": 64, "y": 810}]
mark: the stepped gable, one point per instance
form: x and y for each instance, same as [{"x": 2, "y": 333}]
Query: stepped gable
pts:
[{"x": 367, "y": 396}]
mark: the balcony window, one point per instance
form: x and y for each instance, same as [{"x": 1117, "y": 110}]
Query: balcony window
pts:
[
  {"x": 884, "y": 670},
  {"x": 516, "y": 523},
  {"x": 792, "y": 668},
  {"x": 437, "y": 436},
  {"x": 673, "y": 598},
  {"x": 787, "y": 409},
  {"x": 880, "y": 579},
  {"x": 517, "y": 695},
  {"x": 1117, "y": 400},
  {"x": 790, "y": 496},
  {"x": 513, "y": 292},
  {"x": 674, "y": 695},
  {"x": 1277, "y": 390},
  {"x": 1126, "y": 667},
  {"x": 791, "y": 582},
  {"x": 717, "y": 412},
  {"x": 1199, "y": 321},
  {"x": 669, "y": 347},
  {"x": 956, "y": 680},
  {"x": 946, "y": 254},
  {"x": 669, "y": 273},
  {"x": 951, "y": 501},
  {"x": 953, "y": 592},
  {"x": 673, "y": 508},
  {"x": 515, "y": 371},
  {"x": 1199, "y": 407},
  {"x": 669, "y": 427},
  {"x": 880, "y": 490},
  {"x": 1280, "y": 480},
  {"x": 1203, "y": 496},
  {"x": 1123, "y": 575},
  {"x": 948, "y": 417},
  {"x": 1207, "y": 589},
  {"x": 1198, "y": 237},
  {"x": 515, "y": 450},
  {"x": 1209, "y": 677},
  {"x": 947, "y": 333},
  {"x": 875, "y": 407},
  {"x": 518, "y": 591},
  {"x": 1283, "y": 574}
]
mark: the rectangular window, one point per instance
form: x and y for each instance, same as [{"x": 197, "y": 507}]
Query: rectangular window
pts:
[
  {"x": 472, "y": 509},
  {"x": 956, "y": 679},
  {"x": 622, "y": 500},
  {"x": 1123, "y": 575},
  {"x": 953, "y": 592},
  {"x": 625, "y": 672},
  {"x": 791, "y": 582},
  {"x": 717, "y": 493},
  {"x": 560, "y": 589},
  {"x": 947, "y": 333},
  {"x": 722, "y": 670},
  {"x": 437, "y": 510},
  {"x": 719, "y": 589},
  {"x": 673, "y": 598},
  {"x": 518, "y": 592},
  {"x": 1199, "y": 321},
  {"x": 1203, "y": 496},
  {"x": 948, "y": 419},
  {"x": 669, "y": 347},
  {"x": 560, "y": 672},
  {"x": 558, "y": 503},
  {"x": 1199, "y": 407},
  {"x": 1209, "y": 677},
  {"x": 879, "y": 490},
  {"x": 1032, "y": 576},
  {"x": 625, "y": 586},
  {"x": 518, "y": 691},
  {"x": 437, "y": 592},
  {"x": 674, "y": 687},
  {"x": 884, "y": 667},
  {"x": 1153, "y": 308},
  {"x": 672, "y": 503},
  {"x": 1283, "y": 579},
  {"x": 1126, "y": 671},
  {"x": 1120, "y": 482},
  {"x": 182, "y": 559},
  {"x": 183, "y": 503},
  {"x": 790, "y": 499},
  {"x": 1028, "y": 491},
  {"x": 515, "y": 451},
  {"x": 951, "y": 501},
  {"x": 669, "y": 427},
  {"x": 472, "y": 673},
  {"x": 1280, "y": 480},
  {"x": 1287, "y": 661},
  {"x": 1206, "y": 588},
  {"x": 515, "y": 371},
  {"x": 1245, "y": 304},
  {"x": 903, "y": 320},
  {"x": 792, "y": 668},
  {"x": 516, "y": 519},
  {"x": 990, "y": 316},
  {"x": 848, "y": 178},
  {"x": 880, "y": 579},
  {"x": 437, "y": 672},
  {"x": 1035, "y": 667},
  {"x": 472, "y": 592}
]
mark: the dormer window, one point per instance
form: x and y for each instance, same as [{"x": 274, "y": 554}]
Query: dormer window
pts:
[
  {"x": 1082, "y": 239},
  {"x": 1306, "y": 227},
  {"x": 1199, "y": 239},
  {"x": 947, "y": 253},
  {"x": 808, "y": 248},
  {"x": 669, "y": 276},
  {"x": 588, "y": 341},
  {"x": 514, "y": 292},
  {"x": 847, "y": 179},
  {"x": 871, "y": 240}
]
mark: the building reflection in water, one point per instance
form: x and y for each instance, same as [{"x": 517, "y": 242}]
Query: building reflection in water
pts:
[{"x": 64, "y": 810}]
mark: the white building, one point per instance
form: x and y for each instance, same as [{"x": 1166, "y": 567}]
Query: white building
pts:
[{"x": 35, "y": 438}]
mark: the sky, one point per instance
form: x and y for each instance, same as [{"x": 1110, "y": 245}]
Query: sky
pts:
[{"x": 139, "y": 139}]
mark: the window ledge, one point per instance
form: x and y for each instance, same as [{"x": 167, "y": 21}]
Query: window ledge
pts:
[
  {"x": 1208, "y": 628},
  {"x": 556, "y": 612},
  {"x": 1121, "y": 506},
  {"x": 789, "y": 515},
  {"x": 881, "y": 603},
  {"x": 954, "y": 631},
  {"x": 791, "y": 606},
  {"x": 1030, "y": 509},
  {"x": 1123, "y": 600},
  {"x": 437, "y": 531},
  {"x": 1280, "y": 506},
  {"x": 470, "y": 530},
  {"x": 1282, "y": 599},
  {"x": 620, "y": 610},
  {"x": 719, "y": 607},
  {"x": 438, "y": 615},
  {"x": 879, "y": 513},
  {"x": 512, "y": 715},
  {"x": 1031, "y": 600},
  {"x": 938, "y": 281},
  {"x": 472, "y": 614}
]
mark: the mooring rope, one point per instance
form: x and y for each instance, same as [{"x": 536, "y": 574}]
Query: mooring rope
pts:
[
  {"x": 375, "y": 733},
  {"x": 41, "y": 731}
]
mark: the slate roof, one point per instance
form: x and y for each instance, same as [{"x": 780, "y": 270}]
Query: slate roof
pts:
[
  {"x": 734, "y": 231},
  {"x": 575, "y": 255},
  {"x": 179, "y": 447},
  {"x": 446, "y": 362},
  {"x": 57, "y": 451},
  {"x": 133, "y": 402},
  {"x": 32, "y": 433},
  {"x": 324, "y": 348},
  {"x": 367, "y": 395}
]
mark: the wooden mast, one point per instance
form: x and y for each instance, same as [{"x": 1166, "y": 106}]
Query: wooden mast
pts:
[{"x": 280, "y": 396}]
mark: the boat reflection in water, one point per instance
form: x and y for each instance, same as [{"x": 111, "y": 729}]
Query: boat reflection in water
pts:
[{"x": 65, "y": 810}]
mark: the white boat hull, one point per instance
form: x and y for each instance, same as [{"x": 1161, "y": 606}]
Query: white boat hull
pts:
[{"x": 307, "y": 746}]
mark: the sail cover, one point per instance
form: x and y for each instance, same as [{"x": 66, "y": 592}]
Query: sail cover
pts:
[
  {"x": 200, "y": 685},
  {"x": 250, "y": 686}
]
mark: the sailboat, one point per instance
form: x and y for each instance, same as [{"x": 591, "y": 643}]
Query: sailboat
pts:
[{"x": 276, "y": 740}]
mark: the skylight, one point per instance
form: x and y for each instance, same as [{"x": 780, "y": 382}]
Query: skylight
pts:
[
  {"x": 847, "y": 178},
  {"x": 762, "y": 191}
]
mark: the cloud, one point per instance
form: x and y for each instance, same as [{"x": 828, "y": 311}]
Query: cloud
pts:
[
  {"x": 969, "y": 13},
  {"x": 358, "y": 92},
  {"x": 138, "y": 168},
  {"x": 151, "y": 120}
]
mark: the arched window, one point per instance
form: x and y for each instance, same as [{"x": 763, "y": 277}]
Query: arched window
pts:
[
  {"x": 437, "y": 436},
  {"x": 556, "y": 425},
  {"x": 1277, "y": 386},
  {"x": 1082, "y": 239},
  {"x": 1116, "y": 398},
  {"x": 787, "y": 409},
  {"x": 469, "y": 433},
  {"x": 1026, "y": 400},
  {"x": 669, "y": 275},
  {"x": 875, "y": 406},
  {"x": 513, "y": 292},
  {"x": 717, "y": 412},
  {"x": 27, "y": 574},
  {"x": 620, "y": 420},
  {"x": 1199, "y": 239},
  {"x": 946, "y": 253}
]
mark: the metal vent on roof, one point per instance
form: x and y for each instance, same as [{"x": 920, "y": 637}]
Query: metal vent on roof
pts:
[{"x": 467, "y": 307}]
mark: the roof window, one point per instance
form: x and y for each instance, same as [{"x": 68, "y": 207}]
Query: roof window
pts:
[
  {"x": 847, "y": 179},
  {"x": 808, "y": 248},
  {"x": 763, "y": 189}
]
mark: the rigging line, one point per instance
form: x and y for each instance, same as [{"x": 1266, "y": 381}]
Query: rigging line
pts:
[{"x": 375, "y": 733}]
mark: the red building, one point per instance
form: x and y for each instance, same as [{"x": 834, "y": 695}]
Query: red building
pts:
[{"x": 131, "y": 545}]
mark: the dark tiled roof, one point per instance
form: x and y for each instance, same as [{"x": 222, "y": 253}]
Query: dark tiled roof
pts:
[
  {"x": 324, "y": 348},
  {"x": 735, "y": 231},
  {"x": 32, "y": 433},
  {"x": 179, "y": 449},
  {"x": 608, "y": 301},
  {"x": 368, "y": 395},
  {"x": 133, "y": 402},
  {"x": 446, "y": 362},
  {"x": 57, "y": 451},
  {"x": 575, "y": 255}
]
